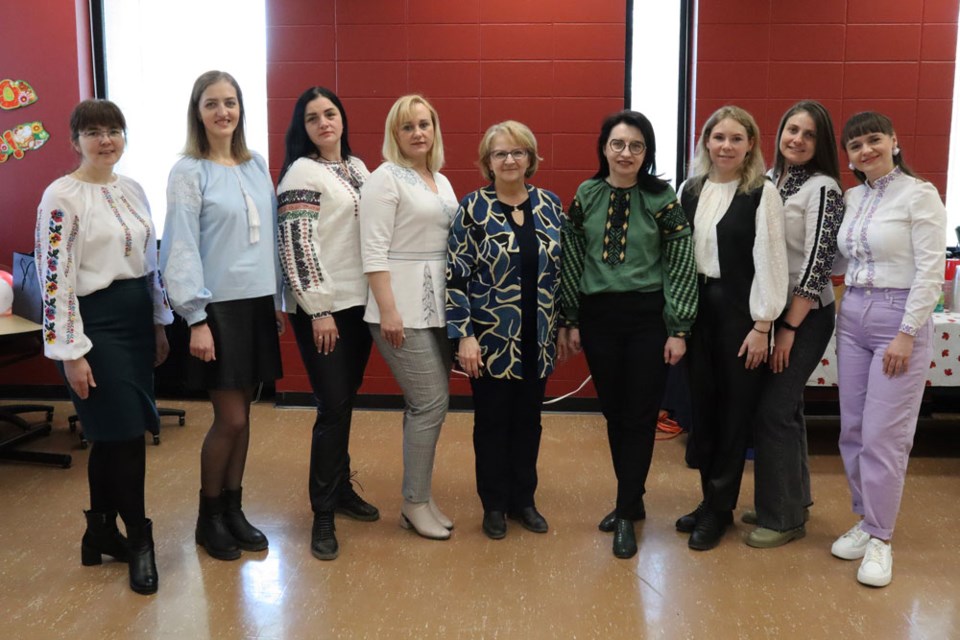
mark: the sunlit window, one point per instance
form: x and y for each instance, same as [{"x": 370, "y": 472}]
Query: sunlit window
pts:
[
  {"x": 953, "y": 160},
  {"x": 154, "y": 50}
]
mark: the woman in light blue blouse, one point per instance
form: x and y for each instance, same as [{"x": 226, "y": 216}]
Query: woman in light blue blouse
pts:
[{"x": 220, "y": 262}]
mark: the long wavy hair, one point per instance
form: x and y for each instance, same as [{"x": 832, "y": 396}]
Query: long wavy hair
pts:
[
  {"x": 751, "y": 171},
  {"x": 197, "y": 145},
  {"x": 825, "y": 154}
]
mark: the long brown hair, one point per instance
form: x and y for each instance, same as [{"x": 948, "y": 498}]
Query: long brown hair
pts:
[{"x": 197, "y": 145}]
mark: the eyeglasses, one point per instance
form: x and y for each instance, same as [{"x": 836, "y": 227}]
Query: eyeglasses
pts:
[
  {"x": 516, "y": 154},
  {"x": 636, "y": 147},
  {"x": 96, "y": 134}
]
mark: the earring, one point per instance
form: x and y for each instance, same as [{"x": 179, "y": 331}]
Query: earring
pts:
[
  {"x": 851, "y": 166},
  {"x": 896, "y": 151}
]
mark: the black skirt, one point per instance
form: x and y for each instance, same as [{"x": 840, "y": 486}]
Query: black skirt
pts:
[
  {"x": 246, "y": 346},
  {"x": 119, "y": 322}
]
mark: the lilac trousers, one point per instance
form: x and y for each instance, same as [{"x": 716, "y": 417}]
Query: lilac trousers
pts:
[{"x": 878, "y": 414}]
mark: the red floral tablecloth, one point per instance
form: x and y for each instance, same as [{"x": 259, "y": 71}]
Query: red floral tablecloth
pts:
[{"x": 944, "y": 368}]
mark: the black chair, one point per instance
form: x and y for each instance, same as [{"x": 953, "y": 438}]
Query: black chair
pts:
[{"x": 29, "y": 431}]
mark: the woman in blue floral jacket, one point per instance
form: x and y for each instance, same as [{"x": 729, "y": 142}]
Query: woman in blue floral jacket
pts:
[{"x": 503, "y": 263}]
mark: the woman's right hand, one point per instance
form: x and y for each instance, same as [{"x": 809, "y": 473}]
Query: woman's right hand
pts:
[
  {"x": 79, "y": 376},
  {"x": 391, "y": 327},
  {"x": 325, "y": 334},
  {"x": 201, "y": 343},
  {"x": 468, "y": 355},
  {"x": 573, "y": 341}
]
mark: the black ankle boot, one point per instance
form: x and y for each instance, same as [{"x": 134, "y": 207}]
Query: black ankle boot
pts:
[
  {"x": 624, "y": 539},
  {"x": 323, "y": 540},
  {"x": 102, "y": 537},
  {"x": 143, "y": 564},
  {"x": 709, "y": 529},
  {"x": 212, "y": 532},
  {"x": 247, "y": 536}
]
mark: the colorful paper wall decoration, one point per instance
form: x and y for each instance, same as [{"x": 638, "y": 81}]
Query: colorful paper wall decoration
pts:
[
  {"x": 28, "y": 136},
  {"x": 15, "y": 94}
]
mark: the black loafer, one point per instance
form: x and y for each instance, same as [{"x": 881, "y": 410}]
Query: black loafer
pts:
[
  {"x": 494, "y": 524},
  {"x": 709, "y": 530},
  {"x": 688, "y": 522},
  {"x": 530, "y": 519},
  {"x": 624, "y": 539},
  {"x": 608, "y": 524}
]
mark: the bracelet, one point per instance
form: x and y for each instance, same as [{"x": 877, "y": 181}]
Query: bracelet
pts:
[
  {"x": 322, "y": 314},
  {"x": 789, "y": 327},
  {"x": 760, "y": 332}
]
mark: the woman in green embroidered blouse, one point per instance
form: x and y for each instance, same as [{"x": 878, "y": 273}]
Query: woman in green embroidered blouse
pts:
[{"x": 628, "y": 287}]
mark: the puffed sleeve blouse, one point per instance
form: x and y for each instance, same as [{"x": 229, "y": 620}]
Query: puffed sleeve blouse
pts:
[
  {"x": 894, "y": 236},
  {"x": 219, "y": 239},
  {"x": 404, "y": 227},
  {"x": 319, "y": 235},
  {"x": 89, "y": 235}
]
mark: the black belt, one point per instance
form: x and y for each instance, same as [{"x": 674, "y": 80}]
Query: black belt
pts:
[{"x": 704, "y": 279}]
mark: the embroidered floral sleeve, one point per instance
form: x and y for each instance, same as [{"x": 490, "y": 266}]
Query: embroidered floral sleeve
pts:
[
  {"x": 300, "y": 258},
  {"x": 58, "y": 228},
  {"x": 462, "y": 252},
  {"x": 679, "y": 269},
  {"x": 574, "y": 245},
  {"x": 824, "y": 213},
  {"x": 180, "y": 250}
]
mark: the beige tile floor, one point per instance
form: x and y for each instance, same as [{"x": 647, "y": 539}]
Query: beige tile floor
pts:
[{"x": 388, "y": 583}]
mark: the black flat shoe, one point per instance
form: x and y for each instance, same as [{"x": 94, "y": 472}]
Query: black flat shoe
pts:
[
  {"x": 624, "y": 539},
  {"x": 494, "y": 524},
  {"x": 353, "y": 506},
  {"x": 687, "y": 523},
  {"x": 530, "y": 519},
  {"x": 710, "y": 528},
  {"x": 607, "y": 525},
  {"x": 323, "y": 539}
]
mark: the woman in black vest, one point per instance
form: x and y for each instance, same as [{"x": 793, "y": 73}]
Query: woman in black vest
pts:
[{"x": 740, "y": 250}]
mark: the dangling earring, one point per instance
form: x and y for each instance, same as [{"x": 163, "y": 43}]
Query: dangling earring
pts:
[
  {"x": 851, "y": 166},
  {"x": 896, "y": 151}
]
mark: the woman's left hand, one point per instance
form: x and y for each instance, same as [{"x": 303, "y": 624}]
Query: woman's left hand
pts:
[
  {"x": 783, "y": 343},
  {"x": 674, "y": 349},
  {"x": 163, "y": 346},
  {"x": 281, "y": 322},
  {"x": 755, "y": 346},
  {"x": 897, "y": 356}
]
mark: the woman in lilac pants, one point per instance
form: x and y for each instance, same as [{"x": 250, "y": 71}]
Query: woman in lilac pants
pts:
[{"x": 893, "y": 239}]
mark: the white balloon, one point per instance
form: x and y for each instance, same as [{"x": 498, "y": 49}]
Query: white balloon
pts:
[{"x": 6, "y": 297}]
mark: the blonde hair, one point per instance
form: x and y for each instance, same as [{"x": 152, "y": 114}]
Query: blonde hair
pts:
[
  {"x": 751, "y": 171},
  {"x": 198, "y": 145},
  {"x": 401, "y": 111},
  {"x": 516, "y": 131}
]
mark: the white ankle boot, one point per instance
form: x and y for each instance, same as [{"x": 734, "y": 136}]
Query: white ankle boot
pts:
[
  {"x": 419, "y": 517},
  {"x": 440, "y": 517}
]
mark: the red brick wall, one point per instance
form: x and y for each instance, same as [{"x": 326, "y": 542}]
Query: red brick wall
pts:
[
  {"x": 557, "y": 65},
  {"x": 893, "y": 56}
]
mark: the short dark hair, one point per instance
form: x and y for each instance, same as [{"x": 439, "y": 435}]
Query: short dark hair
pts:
[
  {"x": 198, "y": 146},
  {"x": 647, "y": 178},
  {"x": 95, "y": 113},
  {"x": 298, "y": 143},
  {"x": 825, "y": 153},
  {"x": 860, "y": 124}
]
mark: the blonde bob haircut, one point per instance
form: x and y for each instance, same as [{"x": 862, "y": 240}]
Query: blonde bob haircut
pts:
[
  {"x": 751, "y": 171},
  {"x": 520, "y": 134},
  {"x": 198, "y": 145},
  {"x": 400, "y": 112}
]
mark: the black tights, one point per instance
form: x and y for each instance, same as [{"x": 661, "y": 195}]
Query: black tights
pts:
[
  {"x": 224, "y": 453},
  {"x": 116, "y": 472}
]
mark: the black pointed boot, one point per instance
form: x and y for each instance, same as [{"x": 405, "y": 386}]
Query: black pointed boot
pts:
[
  {"x": 247, "y": 536},
  {"x": 212, "y": 532},
  {"x": 143, "y": 564},
  {"x": 102, "y": 537}
]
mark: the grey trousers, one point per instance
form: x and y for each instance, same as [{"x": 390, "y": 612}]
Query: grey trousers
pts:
[
  {"x": 422, "y": 369},
  {"x": 781, "y": 474}
]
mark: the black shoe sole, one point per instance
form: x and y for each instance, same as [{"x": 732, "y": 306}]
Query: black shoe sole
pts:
[
  {"x": 246, "y": 546},
  {"x": 219, "y": 555},
  {"x": 362, "y": 517},
  {"x": 527, "y": 526},
  {"x": 324, "y": 556}
]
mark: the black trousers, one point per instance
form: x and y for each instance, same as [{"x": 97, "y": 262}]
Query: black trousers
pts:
[
  {"x": 623, "y": 336},
  {"x": 335, "y": 379},
  {"x": 725, "y": 396},
  {"x": 506, "y": 440}
]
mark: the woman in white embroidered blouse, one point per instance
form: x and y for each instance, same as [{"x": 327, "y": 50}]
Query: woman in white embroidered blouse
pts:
[
  {"x": 892, "y": 239},
  {"x": 807, "y": 174},
  {"x": 405, "y": 216},
  {"x": 220, "y": 259},
  {"x": 103, "y": 314},
  {"x": 319, "y": 241},
  {"x": 740, "y": 251}
]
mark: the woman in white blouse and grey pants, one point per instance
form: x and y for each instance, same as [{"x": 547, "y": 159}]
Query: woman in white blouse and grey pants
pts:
[
  {"x": 893, "y": 238},
  {"x": 405, "y": 213}
]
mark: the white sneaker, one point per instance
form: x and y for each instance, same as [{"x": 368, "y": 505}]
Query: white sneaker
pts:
[
  {"x": 876, "y": 570},
  {"x": 851, "y": 545}
]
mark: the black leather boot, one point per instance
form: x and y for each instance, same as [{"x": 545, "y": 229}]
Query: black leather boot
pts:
[
  {"x": 323, "y": 539},
  {"x": 143, "y": 564},
  {"x": 212, "y": 532},
  {"x": 687, "y": 523},
  {"x": 102, "y": 537},
  {"x": 247, "y": 536},
  {"x": 710, "y": 528}
]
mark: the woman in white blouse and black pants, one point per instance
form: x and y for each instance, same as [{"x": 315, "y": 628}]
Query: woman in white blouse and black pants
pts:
[
  {"x": 737, "y": 220},
  {"x": 103, "y": 314},
  {"x": 893, "y": 238},
  {"x": 405, "y": 214}
]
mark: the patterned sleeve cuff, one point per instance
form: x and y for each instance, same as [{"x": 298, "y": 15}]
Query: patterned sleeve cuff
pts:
[{"x": 907, "y": 329}]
